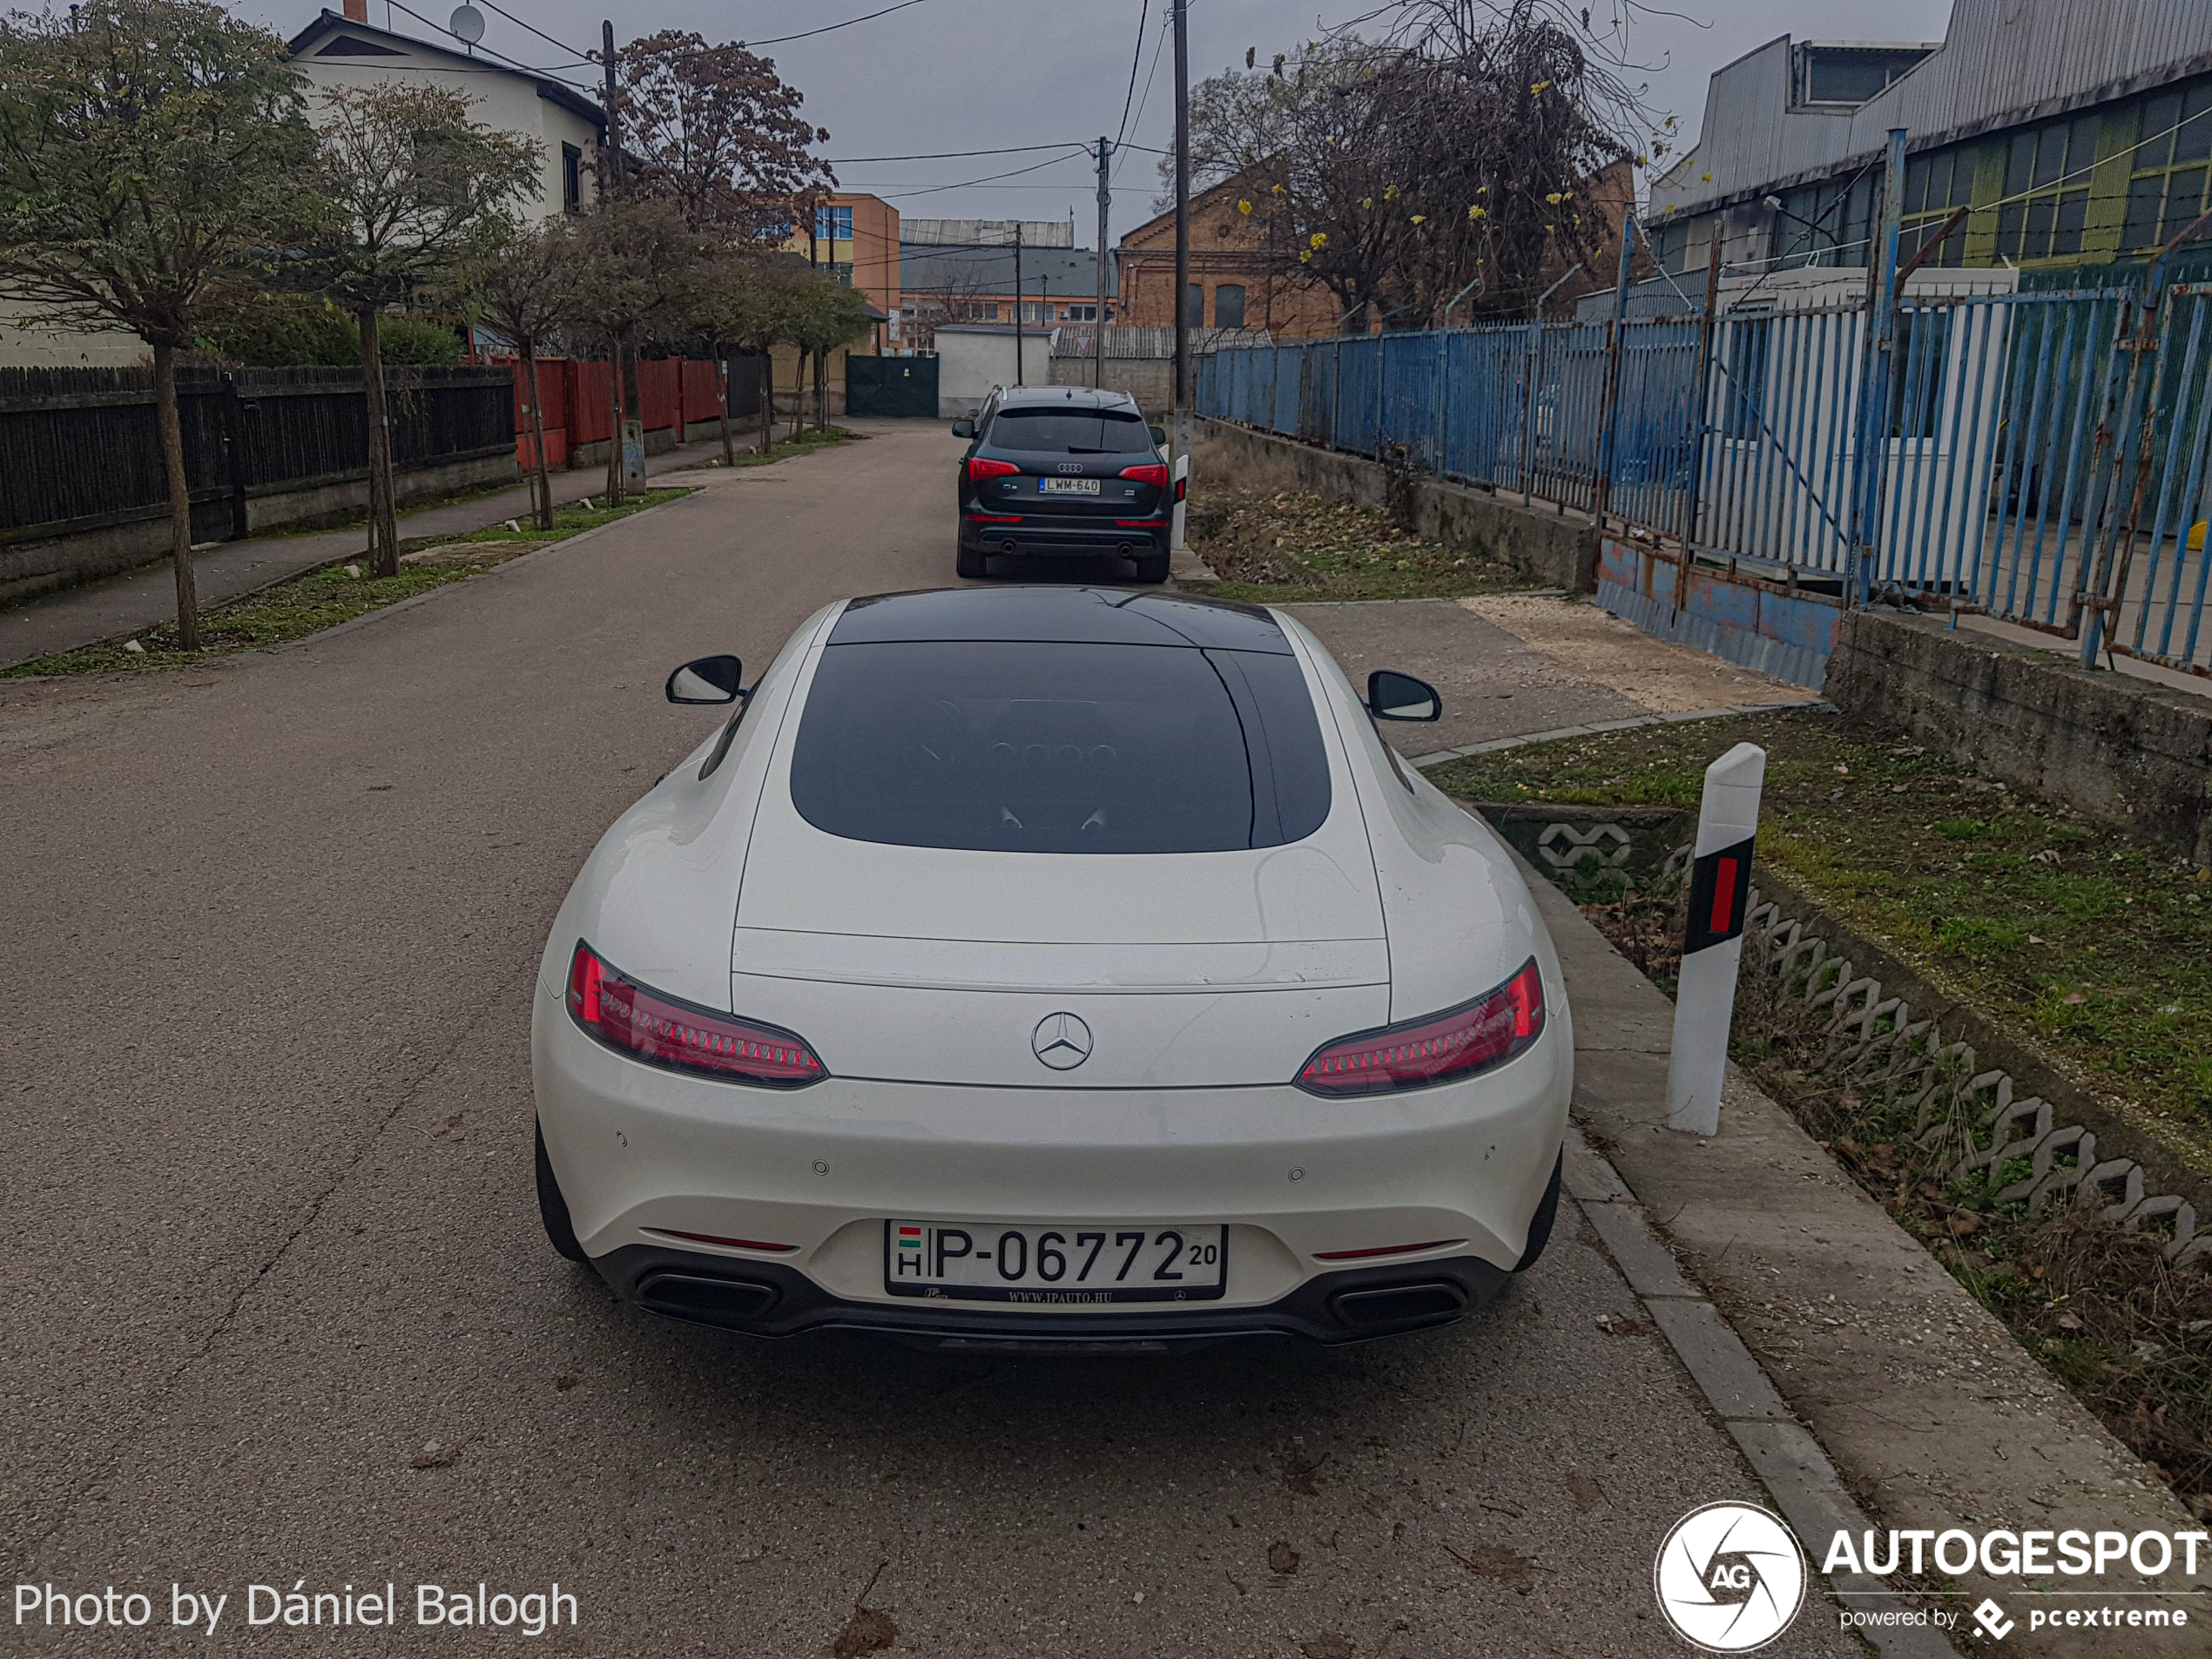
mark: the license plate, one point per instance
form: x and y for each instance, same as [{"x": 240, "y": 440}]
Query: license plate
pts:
[
  {"x": 1074, "y": 1265},
  {"x": 1067, "y": 486}
]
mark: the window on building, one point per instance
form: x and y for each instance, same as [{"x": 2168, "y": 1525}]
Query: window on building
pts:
[
  {"x": 1935, "y": 185},
  {"x": 1229, "y": 305},
  {"x": 1079, "y": 313},
  {"x": 571, "y": 179},
  {"x": 842, "y": 271},
  {"x": 1036, "y": 311},
  {"x": 834, "y": 224},
  {"x": 1194, "y": 306},
  {"x": 1829, "y": 222},
  {"x": 2168, "y": 190},
  {"x": 2050, "y": 166}
]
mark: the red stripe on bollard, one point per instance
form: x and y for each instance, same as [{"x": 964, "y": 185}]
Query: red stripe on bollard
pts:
[{"x": 1724, "y": 895}]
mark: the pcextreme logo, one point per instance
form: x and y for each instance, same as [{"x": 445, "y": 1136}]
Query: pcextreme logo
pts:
[{"x": 1729, "y": 1577}]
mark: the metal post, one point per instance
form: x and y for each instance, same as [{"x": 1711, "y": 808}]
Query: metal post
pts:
[
  {"x": 1708, "y": 328},
  {"x": 234, "y": 453},
  {"x": 1720, "y": 887},
  {"x": 1098, "y": 329},
  {"x": 1610, "y": 399},
  {"x": 1182, "y": 226},
  {"x": 1018, "y": 380},
  {"x": 1860, "y": 557}
]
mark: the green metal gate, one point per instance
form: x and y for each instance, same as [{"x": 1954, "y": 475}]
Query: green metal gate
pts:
[{"x": 897, "y": 385}]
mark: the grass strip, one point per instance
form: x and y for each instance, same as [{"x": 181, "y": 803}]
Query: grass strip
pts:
[
  {"x": 322, "y": 598},
  {"x": 2097, "y": 946}
]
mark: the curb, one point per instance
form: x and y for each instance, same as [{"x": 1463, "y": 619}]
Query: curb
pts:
[
  {"x": 1591, "y": 731},
  {"x": 1782, "y": 1452}
]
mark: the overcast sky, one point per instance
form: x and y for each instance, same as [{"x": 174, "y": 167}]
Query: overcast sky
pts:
[{"x": 946, "y": 74}]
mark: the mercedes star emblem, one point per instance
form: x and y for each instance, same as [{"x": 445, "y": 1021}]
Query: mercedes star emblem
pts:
[{"x": 1062, "y": 1041}]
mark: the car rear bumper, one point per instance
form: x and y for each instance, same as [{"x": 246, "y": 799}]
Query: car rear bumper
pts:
[
  {"x": 654, "y": 1164},
  {"x": 1067, "y": 536},
  {"x": 770, "y": 1299}
]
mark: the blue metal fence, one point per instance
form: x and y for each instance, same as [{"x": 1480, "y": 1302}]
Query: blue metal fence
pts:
[{"x": 2044, "y": 457}]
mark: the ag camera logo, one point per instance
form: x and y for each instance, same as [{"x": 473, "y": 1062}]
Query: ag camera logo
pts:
[{"x": 1729, "y": 1577}]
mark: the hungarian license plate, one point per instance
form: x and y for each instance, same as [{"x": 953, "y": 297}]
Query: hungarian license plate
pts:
[
  {"x": 1067, "y": 486},
  {"x": 1076, "y": 1264}
]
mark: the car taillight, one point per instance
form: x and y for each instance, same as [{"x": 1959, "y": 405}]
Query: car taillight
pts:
[
  {"x": 1153, "y": 473},
  {"x": 1441, "y": 1048},
  {"x": 979, "y": 470},
  {"x": 639, "y": 1021}
]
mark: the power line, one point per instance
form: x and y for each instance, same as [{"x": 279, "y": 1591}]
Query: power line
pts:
[
  {"x": 989, "y": 179},
  {"x": 1135, "y": 56},
  {"x": 947, "y": 155},
  {"x": 828, "y": 27},
  {"x": 515, "y": 62},
  {"x": 1144, "y": 99},
  {"x": 534, "y": 29}
]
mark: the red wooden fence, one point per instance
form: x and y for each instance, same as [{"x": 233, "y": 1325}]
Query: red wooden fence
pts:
[{"x": 674, "y": 392}]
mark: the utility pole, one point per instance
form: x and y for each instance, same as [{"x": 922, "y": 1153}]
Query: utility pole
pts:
[
  {"x": 613, "y": 180},
  {"x": 1181, "y": 227},
  {"x": 1018, "y": 380},
  {"x": 1862, "y": 555},
  {"x": 1098, "y": 333}
]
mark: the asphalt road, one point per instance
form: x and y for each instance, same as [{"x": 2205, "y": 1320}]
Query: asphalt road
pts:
[{"x": 272, "y": 1233}]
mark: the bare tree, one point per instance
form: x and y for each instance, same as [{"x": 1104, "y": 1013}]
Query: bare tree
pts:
[
  {"x": 414, "y": 190},
  {"x": 639, "y": 268},
  {"x": 150, "y": 154},
  {"x": 1450, "y": 162},
  {"x": 530, "y": 290}
]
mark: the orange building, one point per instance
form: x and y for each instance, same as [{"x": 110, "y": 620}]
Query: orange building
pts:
[{"x": 855, "y": 236}]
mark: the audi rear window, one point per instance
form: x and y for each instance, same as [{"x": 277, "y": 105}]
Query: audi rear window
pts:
[
  {"x": 1019, "y": 746},
  {"x": 1070, "y": 431}
]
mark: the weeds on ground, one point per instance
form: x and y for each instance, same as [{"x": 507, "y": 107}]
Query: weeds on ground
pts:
[
  {"x": 808, "y": 440},
  {"x": 322, "y": 598},
  {"x": 2129, "y": 1335},
  {"x": 2097, "y": 946},
  {"x": 1273, "y": 542}
]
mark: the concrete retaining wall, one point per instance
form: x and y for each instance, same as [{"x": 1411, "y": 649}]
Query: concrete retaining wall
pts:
[
  {"x": 1763, "y": 625},
  {"x": 2120, "y": 749},
  {"x": 29, "y": 567},
  {"x": 1556, "y": 551}
]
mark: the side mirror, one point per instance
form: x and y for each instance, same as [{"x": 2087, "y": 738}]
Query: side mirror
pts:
[
  {"x": 963, "y": 428},
  {"x": 710, "y": 679},
  {"x": 1393, "y": 696},
  {"x": 1159, "y": 435}
]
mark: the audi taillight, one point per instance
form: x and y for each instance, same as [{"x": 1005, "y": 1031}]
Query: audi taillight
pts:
[
  {"x": 661, "y": 1030},
  {"x": 979, "y": 470},
  {"x": 1441, "y": 1048},
  {"x": 1152, "y": 472}
]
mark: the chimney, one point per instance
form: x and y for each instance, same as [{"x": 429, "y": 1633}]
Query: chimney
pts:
[{"x": 356, "y": 10}]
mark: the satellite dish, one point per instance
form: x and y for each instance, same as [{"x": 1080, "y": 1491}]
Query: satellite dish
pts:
[{"x": 467, "y": 24}]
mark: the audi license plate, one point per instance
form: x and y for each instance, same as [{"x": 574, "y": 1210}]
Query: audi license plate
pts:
[
  {"x": 1076, "y": 1264},
  {"x": 1067, "y": 486}
]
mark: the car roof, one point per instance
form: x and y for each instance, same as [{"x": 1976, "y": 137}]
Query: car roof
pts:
[
  {"x": 1081, "y": 397},
  {"x": 1072, "y": 616}
]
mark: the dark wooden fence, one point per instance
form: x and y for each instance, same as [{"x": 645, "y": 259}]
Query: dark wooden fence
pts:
[{"x": 80, "y": 450}]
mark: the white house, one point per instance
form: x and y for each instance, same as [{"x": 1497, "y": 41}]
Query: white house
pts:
[{"x": 347, "y": 50}]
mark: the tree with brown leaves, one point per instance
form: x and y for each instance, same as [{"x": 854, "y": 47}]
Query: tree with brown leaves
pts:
[{"x": 716, "y": 130}]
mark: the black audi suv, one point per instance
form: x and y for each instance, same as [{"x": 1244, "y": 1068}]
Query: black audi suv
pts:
[{"x": 1063, "y": 470}]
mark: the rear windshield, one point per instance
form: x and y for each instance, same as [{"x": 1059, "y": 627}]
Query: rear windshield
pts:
[
  {"x": 1071, "y": 431},
  {"x": 1028, "y": 747}
]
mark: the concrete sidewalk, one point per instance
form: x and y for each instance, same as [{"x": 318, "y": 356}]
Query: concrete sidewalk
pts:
[
  {"x": 147, "y": 596},
  {"x": 1932, "y": 1416}
]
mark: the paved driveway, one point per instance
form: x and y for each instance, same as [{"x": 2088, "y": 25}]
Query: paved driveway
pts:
[{"x": 272, "y": 924}]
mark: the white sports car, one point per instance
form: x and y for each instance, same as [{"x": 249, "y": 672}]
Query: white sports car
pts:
[{"x": 1052, "y": 968}]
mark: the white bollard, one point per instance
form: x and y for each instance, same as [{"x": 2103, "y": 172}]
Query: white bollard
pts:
[
  {"x": 1182, "y": 487},
  {"x": 1712, "y": 946}
]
